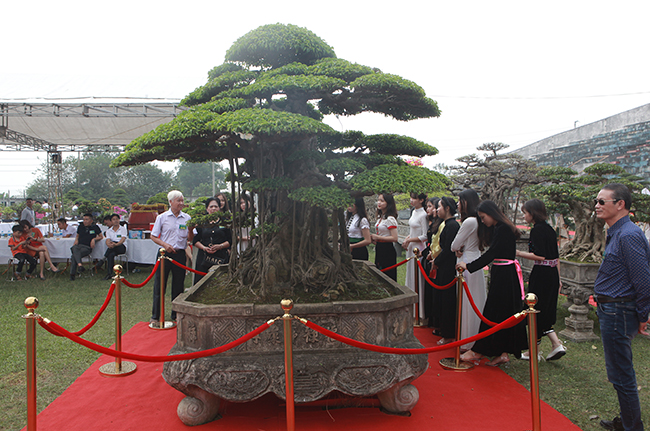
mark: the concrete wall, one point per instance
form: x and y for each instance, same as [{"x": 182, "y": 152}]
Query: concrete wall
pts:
[
  {"x": 622, "y": 139},
  {"x": 610, "y": 124}
]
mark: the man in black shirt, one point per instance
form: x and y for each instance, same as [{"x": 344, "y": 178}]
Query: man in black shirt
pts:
[{"x": 87, "y": 233}]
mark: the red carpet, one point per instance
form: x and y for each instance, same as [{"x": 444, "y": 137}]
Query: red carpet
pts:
[{"x": 481, "y": 399}]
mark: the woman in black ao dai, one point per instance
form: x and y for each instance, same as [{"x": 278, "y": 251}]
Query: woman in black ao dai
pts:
[
  {"x": 544, "y": 279},
  {"x": 504, "y": 295}
]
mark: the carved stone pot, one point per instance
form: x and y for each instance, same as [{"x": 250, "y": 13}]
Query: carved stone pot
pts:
[
  {"x": 321, "y": 365},
  {"x": 577, "y": 284}
]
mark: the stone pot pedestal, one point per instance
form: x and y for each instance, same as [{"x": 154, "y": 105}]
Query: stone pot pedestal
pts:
[
  {"x": 321, "y": 365},
  {"x": 578, "y": 284}
]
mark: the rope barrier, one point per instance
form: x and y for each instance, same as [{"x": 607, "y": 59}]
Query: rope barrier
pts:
[
  {"x": 435, "y": 286},
  {"x": 137, "y": 286},
  {"x": 55, "y": 329},
  {"x": 476, "y": 310},
  {"x": 98, "y": 315},
  {"x": 508, "y": 323},
  {"x": 187, "y": 268},
  {"x": 396, "y": 265}
]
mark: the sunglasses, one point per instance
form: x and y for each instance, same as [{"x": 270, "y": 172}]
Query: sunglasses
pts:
[{"x": 601, "y": 202}]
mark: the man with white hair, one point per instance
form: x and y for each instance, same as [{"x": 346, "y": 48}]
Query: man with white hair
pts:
[{"x": 170, "y": 232}]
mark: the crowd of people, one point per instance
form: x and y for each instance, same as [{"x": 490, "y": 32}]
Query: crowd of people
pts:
[
  {"x": 449, "y": 236},
  {"x": 486, "y": 236}
]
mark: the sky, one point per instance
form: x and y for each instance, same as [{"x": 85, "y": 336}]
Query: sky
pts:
[{"x": 501, "y": 71}]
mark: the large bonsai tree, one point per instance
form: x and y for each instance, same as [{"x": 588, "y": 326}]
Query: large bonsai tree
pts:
[
  {"x": 262, "y": 110},
  {"x": 571, "y": 194}
]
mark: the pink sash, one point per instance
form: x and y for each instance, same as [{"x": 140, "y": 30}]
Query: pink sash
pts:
[{"x": 519, "y": 273}]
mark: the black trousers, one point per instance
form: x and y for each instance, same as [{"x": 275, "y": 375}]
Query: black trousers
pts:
[
  {"x": 178, "y": 281},
  {"x": 110, "y": 257}
]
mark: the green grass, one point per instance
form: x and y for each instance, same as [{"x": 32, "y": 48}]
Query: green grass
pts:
[
  {"x": 576, "y": 385},
  {"x": 59, "y": 361}
]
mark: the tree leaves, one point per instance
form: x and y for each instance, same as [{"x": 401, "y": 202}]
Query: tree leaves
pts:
[{"x": 400, "y": 179}]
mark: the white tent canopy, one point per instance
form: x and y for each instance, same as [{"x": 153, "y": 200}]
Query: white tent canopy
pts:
[{"x": 80, "y": 124}]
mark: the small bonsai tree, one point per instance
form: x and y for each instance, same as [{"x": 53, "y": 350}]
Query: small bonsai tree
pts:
[
  {"x": 572, "y": 195},
  {"x": 496, "y": 176},
  {"x": 262, "y": 110}
]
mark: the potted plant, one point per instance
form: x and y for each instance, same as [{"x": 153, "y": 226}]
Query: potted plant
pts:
[
  {"x": 262, "y": 110},
  {"x": 572, "y": 194}
]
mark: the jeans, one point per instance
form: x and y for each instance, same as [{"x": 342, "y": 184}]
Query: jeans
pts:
[
  {"x": 618, "y": 326},
  {"x": 178, "y": 282}
]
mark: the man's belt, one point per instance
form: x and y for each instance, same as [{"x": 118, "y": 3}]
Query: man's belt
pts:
[{"x": 604, "y": 299}]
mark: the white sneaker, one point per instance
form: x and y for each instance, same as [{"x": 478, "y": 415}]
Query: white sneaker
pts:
[
  {"x": 526, "y": 356},
  {"x": 557, "y": 353}
]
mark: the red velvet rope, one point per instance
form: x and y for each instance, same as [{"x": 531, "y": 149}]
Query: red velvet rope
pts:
[
  {"x": 476, "y": 310},
  {"x": 99, "y": 313},
  {"x": 394, "y": 266},
  {"x": 508, "y": 323},
  {"x": 55, "y": 329},
  {"x": 435, "y": 286},
  {"x": 187, "y": 268},
  {"x": 153, "y": 271}
]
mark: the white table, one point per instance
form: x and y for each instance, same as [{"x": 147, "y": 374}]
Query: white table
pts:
[{"x": 137, "y": 250}]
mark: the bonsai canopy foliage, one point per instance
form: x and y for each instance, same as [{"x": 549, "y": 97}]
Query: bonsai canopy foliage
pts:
[
  {"x": 262, "y": 110},
  {"x": 571, "y": 194}
]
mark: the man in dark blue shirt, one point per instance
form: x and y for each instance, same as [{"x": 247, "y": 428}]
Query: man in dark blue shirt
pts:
[
  {"x": 87, "y": 233},
  {"x": 622, "y": 291}
]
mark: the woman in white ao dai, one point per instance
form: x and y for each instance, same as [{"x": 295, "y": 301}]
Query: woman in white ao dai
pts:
[
  {"x": 417, "y": 238},
  {"x": 466, "y": 246}
]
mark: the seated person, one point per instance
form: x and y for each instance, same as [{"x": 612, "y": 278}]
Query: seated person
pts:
[
  {"x": 106, "y": 223},
  {"x": 18, "y": 244},
  {"x": 36, "y": 244},
  {"x": 67, "y": 230},
  {"x": 116, "y": 244},
  {"x": 87, "y": 233}
]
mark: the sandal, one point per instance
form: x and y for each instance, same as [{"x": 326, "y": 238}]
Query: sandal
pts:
[
  {"x": 471, "y": 356},
  {"x": 42, "y": 277},
  {"x": 498, "y": 361},
  {"x": 443, "y": 341},
  {"x": 55, "y": 270}
]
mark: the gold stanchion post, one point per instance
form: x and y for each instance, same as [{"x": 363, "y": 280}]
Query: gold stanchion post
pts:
[
  {"x": 455, "y": 363},
  {"x": 287, "y": 305},
  {"x": 163, "y": 283},
  {"x": 531, "y": 300},
  {"x": 118, "y": 368},
  {"x": 417, "y": 286},
  {"x": 31, "y": 304}
]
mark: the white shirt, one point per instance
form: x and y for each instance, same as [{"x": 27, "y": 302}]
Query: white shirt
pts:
[
  {"x": 116, "y": 236},
  {"x": 384, "y": 225},
  {"x": 70, "y": 230},
  {"x": 171, "y": 229},
  {"x": 355, "y": 227}
]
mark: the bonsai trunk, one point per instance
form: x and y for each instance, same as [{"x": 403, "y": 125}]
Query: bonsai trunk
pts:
[{"x": 588, "y": 243}]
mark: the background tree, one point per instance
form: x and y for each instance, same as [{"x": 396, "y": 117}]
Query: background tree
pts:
[
  {"x": 92, "y": 178},
  {"x": 571, "y": 194},
  {"x": 262, "y": 111},
  {"x": 497, "y": 177},
  {"x": 121, "y": 198},
  {"x": 195, "y": 179}
]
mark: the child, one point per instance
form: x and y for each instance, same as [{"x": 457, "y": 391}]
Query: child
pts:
[{"x": 18, "y": 243}]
